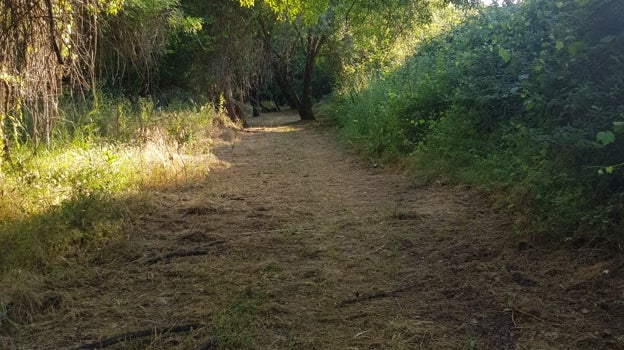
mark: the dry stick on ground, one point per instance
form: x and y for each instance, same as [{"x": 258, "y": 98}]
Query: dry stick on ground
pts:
[
  {"x": 178, "y": 254},
  {"x": 181, "y": 254},
  {"x": 516, "y": 310},
  {"x": 138, "y": 334},
  {"x": 378, "y": 295}
]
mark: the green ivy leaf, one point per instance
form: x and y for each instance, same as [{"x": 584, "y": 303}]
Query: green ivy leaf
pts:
[
  {"x": 559, "y": 45},
  {"x": 605, "y": 137},
  {"x": 608, "y": 170}
]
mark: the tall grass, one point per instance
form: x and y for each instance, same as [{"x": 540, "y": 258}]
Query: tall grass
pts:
[{"x": 61, "y": 202}]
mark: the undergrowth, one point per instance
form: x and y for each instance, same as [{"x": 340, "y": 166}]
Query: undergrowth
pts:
[
  {"x": 61, "y": 206},
  {"x": 523, "y": 101}
]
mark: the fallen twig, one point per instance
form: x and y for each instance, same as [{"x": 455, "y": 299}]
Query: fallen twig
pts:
[
  {"x": 181, "y": 254},
  {"x": 178, "y": 254},
  {"x": 514, "y": 309},
  {"x": 138, "y": 334},
  {"x": 378, "y": 295}
]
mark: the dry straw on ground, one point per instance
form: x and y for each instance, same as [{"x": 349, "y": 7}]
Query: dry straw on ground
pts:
[{"x": 299, "y": 245}]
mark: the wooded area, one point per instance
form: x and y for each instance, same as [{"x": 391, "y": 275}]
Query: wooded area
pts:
[
  {"x": 165, "y": 50},
  {"x": 106, "y": 103},
  {"x": 522, "y": 100}
]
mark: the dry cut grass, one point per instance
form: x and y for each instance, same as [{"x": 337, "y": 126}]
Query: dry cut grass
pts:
[{"x": 294, "y": 244}]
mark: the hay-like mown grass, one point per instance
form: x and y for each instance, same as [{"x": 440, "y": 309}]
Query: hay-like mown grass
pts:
[
  {"x": 66, "y": 208},
  {"x": 292, "y": 243}
]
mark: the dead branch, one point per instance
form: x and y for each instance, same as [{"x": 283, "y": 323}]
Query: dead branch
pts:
[
  {"x": 55, "y": 47},
  {"x": 527, "y": 314},
  {"x": 378, "y": 295},
  {"x": 178, "y": 254},
  {"x": 138, "y": 334},
  {"x": 181, "y": 254}
]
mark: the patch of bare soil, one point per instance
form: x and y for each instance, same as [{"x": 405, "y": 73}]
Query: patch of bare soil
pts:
[{"x": 295, "y": 244}]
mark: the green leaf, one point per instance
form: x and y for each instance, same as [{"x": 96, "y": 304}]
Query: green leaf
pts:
[
  {"x": 559, "y": 45},
  {"x": 607, "y": 39},
  {"x": 608, "y": 170},
  {"x": 605, "y": 137},
  {"x": 574, "y": 47},
  {"x": 504, "y": 54}
]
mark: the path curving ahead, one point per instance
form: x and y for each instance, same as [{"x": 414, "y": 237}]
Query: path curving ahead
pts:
[{"x": 293, "y": 243}]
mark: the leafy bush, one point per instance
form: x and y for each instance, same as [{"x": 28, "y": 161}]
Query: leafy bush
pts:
[{"x": 523, "y": 100}]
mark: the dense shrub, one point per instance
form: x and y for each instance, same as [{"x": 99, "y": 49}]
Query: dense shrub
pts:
[{"x": 524, "y": 100}]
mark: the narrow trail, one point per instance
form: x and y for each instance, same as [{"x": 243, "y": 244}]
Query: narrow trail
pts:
[{"x": 292, "y": 243}]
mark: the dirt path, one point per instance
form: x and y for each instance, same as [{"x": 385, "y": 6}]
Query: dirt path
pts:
[{"x": 294, "y": 244}]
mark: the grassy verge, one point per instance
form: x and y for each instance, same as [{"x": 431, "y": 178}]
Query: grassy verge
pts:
[{"x": 61, "y": 208}]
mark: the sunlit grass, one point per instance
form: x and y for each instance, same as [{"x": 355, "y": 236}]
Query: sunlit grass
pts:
[{"x": 61, "y": 203}]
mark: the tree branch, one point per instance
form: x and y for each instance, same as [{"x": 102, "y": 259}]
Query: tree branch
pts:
[
  {"x": 55, "y": 46},
  {"x": 138, "y": 334}
]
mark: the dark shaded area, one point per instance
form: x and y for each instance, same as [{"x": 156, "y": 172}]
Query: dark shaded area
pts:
[{"x": 138, "y": 334}]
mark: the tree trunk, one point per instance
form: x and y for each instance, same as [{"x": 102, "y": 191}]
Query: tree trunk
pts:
[
  {"x": 284, "y": 83},
  {"x": 6, "y": 149},
  {"x": 48, "y": 123},
  {"x": 4, "y": 110},
  {"x": 232, "y": 109},
  {"x": 279, "y": 65},
  {"x": 254, "y": 100},
  {"x": 35, "y": 129},
  {"x": 305, "y": 109}
]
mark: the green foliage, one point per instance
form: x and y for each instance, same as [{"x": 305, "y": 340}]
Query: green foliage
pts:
[
  {"x": 133, "y": 43},
  {"x": 63, "y": 202},
  {"x": 59, "y": 203},
  {"x": 523, "y": 100},
  {"x": 120, "y": 120},
  {"x": 306, "y": 11}
]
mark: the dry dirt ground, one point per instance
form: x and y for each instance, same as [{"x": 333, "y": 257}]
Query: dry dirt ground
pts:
[{"x": 293, "y": 243}]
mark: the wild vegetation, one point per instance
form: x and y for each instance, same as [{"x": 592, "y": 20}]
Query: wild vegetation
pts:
[
  {"x": 523, "y": 100},
  {"x": 86, "y": 88},
  {"x": 104, "y": 102},
  {"x": 62, "y": 202}
]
